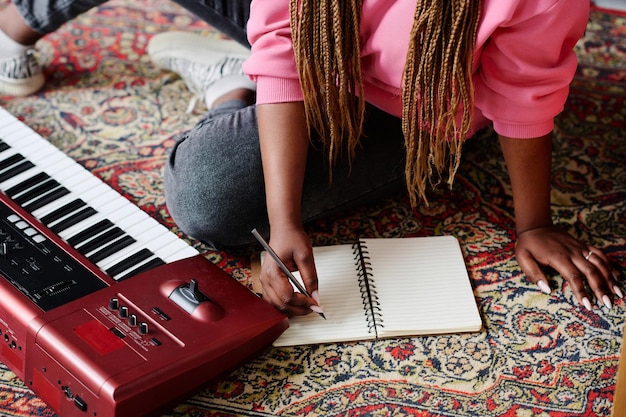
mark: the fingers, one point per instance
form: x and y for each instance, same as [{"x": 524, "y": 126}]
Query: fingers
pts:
[
  {"x": 279, "y": 291},
  {"x": 586, "y": 269},
  {"x": 599, "y": 259},
  {"x": 533, "y": 271},
  {"x": 599, "y": 275}
]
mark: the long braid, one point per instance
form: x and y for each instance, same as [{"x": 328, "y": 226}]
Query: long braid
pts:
[
  {"x": 437, "y": 82},
  {"x": 326, "y": 43}
]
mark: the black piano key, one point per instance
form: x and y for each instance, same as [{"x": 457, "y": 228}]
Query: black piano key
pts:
[
  {"x": 3, "y": 146},
  {"x": 11, "y": 160},
  {"x": 27, "y": 184},
  {"x": 145, "y": 267},
  {"x": 46, "y": 199},
  {"x": 71, "y": 221},
  {"x": 90, "y": 232},
  {"x": 37, "y": 191},
  {"x": 128, "y": 262},
  {"x": 100, "y": 240},
  {"x": 63, "y": 211},
  {"x": 15, "y": 170},
  {"x": 112, "y": 248}
]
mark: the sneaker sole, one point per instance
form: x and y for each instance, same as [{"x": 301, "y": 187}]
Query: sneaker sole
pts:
[
  {"x": 192, "y": 47},
  {"x": 21, "y": 88}
]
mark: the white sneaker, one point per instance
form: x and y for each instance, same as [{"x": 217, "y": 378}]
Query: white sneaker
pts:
[
  {"x": 210, "y": 67},
  {"x": 21, "y": 75}
]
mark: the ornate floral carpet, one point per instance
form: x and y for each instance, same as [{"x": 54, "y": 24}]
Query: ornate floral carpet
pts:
[{"x": 111, "y": 110}]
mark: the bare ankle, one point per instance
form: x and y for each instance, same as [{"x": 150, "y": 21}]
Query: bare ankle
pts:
[{"x": 14, "y": 26}]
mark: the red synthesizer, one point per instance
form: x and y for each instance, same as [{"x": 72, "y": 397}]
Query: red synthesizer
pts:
[{"x": 103, "y": 311}]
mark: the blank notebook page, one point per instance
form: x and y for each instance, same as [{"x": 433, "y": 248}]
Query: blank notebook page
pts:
[{"x": 422, "y": 286}]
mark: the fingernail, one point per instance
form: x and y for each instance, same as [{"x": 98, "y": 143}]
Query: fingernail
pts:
[
  {"x": 543, "y": 286},
  {"x": 607, "y": 301},
  {"x": 316, "y": 296},
  {"x": 618, "y": 292},
  {"x": 586, "y": 303},
  {"x": 317, "y": 309}
]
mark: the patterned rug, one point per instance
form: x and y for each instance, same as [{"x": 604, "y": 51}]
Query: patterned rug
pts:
[{"x": 111, "y": 110}]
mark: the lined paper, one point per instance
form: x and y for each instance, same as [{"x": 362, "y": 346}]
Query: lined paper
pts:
[{"x": 422, "y": 286}]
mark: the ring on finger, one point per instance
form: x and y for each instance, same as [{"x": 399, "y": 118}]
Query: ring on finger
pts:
[{"x": 587, "y": 256}]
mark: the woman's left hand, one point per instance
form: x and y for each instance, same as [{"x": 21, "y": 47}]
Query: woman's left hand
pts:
[{"x": 584, "y": 267}]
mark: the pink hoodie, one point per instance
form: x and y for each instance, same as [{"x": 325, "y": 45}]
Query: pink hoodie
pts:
[{"x": 524, "y": 59}]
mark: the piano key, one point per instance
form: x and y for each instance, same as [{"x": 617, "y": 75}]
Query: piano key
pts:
[
  {"x": 87, "y": 196},
  {"x": 36, "y": 191},
  {"x": 58, "y": 171},
  {"x": 114, "y": 213},
  {"x": 47, "y": 198},
  {"x": 16, "y": 169},
  {"x": 111, "y": 248},
  {"x": 157, "y": 241},
  {"x": 102, "y": 242},
  {"x": 128, "y": 263},
  {"x": 51, "y": 208},
  {"x": 11, "y": 160},
  {"x": 151, "y": 239},
  {"x": 176, "y": 249},
  {"x": 152, "y": 263},
  {"x": 73, "y": 220},
  {"x": 10, "y": 157},
  {"x": 115, "y": 217},
  {"x": 27, "y": 184},
  {"x": 90, "y": 232},
  {"x": 102, "y": 239},
  {"x": 64, "y": 210}
]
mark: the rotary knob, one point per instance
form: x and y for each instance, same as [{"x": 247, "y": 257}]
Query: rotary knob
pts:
[{"x": 143, "y": 328}]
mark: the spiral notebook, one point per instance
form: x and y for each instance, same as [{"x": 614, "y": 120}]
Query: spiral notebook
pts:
[{"x": 381, "y": 288}]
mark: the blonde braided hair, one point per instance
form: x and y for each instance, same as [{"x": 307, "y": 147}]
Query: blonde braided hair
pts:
[{"x": 437, "y": 82}]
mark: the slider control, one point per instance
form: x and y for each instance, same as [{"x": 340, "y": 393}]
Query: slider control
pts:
[{"x": 188, "y": 296}]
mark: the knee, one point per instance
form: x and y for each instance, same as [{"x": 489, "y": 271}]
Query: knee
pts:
[{"x": 220, "y": 212}]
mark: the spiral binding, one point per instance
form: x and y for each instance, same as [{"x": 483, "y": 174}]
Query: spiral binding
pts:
[{"x": 369, "y": 295}]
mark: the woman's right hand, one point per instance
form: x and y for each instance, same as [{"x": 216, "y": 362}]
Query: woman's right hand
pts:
[{"x": 293, "y": 247}]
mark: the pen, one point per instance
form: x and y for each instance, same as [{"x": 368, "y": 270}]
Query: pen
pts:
[{"x": 282, "y": 266}]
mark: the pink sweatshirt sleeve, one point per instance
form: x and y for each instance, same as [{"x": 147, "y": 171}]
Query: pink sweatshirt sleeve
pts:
[
  {"x": 272, "y": 64},
  {"x": 526, "y": 66}
]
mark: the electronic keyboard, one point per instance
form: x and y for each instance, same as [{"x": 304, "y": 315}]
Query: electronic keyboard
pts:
[{"x": 104, "y": 312}]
